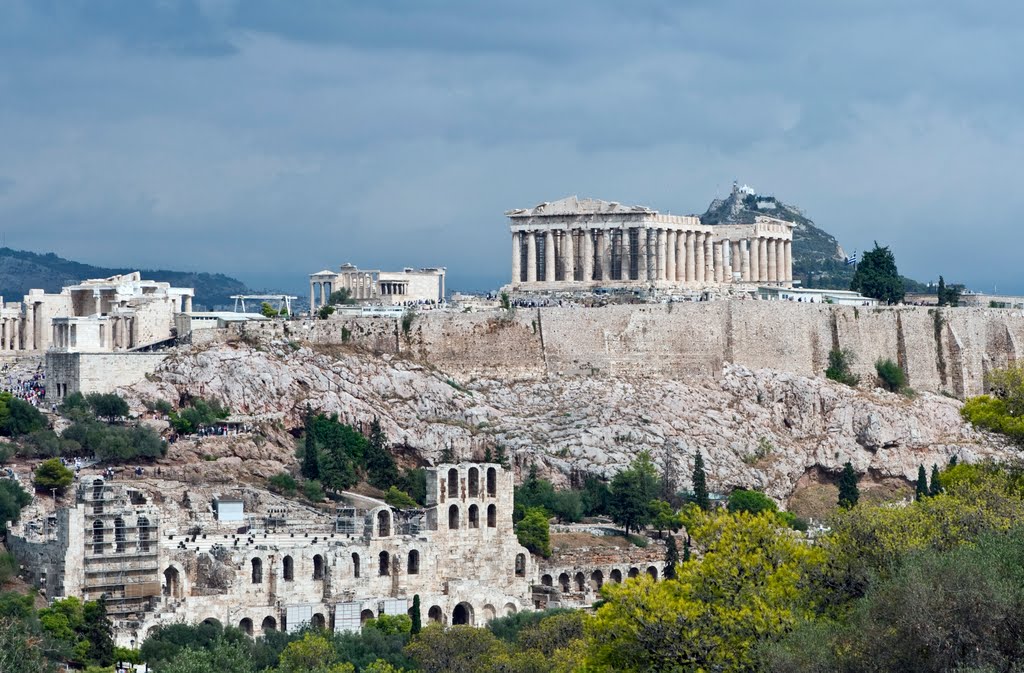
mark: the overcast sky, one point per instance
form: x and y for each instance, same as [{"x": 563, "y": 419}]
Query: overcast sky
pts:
[{"x": 271, "y": 139}]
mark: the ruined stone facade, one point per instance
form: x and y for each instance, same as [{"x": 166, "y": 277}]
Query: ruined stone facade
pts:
[
  {"x": 100, "y": 315},
  {"x": 580, "y": 244},
  {"x": 159, "y": 551}
]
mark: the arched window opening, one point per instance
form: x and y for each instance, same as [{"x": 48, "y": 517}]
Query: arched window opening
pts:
[
  {"x": 453, "y": 483},
  {"x": 489, "y": 612},
  {"x": 269, "y": 624},
  {"x": 383, "y": 523},
  {"x": 97, "y": 537},
  {"x": 474, "y": 516},
  {"x": 492, "y": 482},
  {"x": 596, "y": 580},
  {"x": 653, "y": 572},
  {"x": 546, "y": 581},
  {"x": 257, "y": 571},
  {"x": 318, "y": 567},
  {"x": 385, "y": 563},
  {"x": 453, "y": 517},
  {"x": 510, "y": 609},
  {"x": 318, "y": 621},
  {"x": 119, "y": 535},
  {"x": 563, "y": 582},
  {"x": 355, "y": 565},
  {"x": 634, "y": 572},
  {"x": 617, "y": 576},
  {"x": 474, "y": 482},
  {"x": 492, "y": 516},
  {"x": 246, "y": 626},
  {"x": 143, "y": 535},
  {"x": 581, "y": 582},
  {"x": 463, "y": 614},
  {"x": 172, "y": 583},
  {"x": 520, "y": 565},
  {"x": 288, "y": 566},
  {"x": 365, "y": 616},
  {"x": 435, "y": 615},
  {"x": 414, "y": 562}
]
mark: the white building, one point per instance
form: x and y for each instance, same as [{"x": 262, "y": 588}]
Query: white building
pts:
[{"x": 407, "y": 286}]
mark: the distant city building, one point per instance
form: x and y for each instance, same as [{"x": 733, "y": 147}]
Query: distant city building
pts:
[
  {"x": 587, "y": 243},
  {"x": 815, "y": 296},
  {"x": 408, "y": 286}
]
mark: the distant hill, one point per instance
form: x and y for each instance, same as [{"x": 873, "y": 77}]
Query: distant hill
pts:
[
  {"x": 21, "y": 271},
  {"x": 818, "y": 259}
]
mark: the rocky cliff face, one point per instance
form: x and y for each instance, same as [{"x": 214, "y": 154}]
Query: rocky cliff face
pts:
[{"x": 761, "y": 429}]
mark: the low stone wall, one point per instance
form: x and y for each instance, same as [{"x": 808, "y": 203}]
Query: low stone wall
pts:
[{"x": 945, "y": 350}]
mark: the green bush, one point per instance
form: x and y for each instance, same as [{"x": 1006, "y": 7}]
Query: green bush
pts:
[
  {"x": 52, "y": 474},
  {"x": 890, "y": 375},
  {"x": 399, "y": 499},
  {"x": 533, "y": 532},
  {"x": 993, "y": 414},
  {"x": 839, "y": 362},
  {"x": 113, "y": 443},
  {"x": 284, "y": 483},
  {"x": 13, "y": 499},
  {"x": 110, "y": 406},
  {"x": 752, "y": 502},
  {"x": 18, "y": 417},
  {"x": 313, "y": 490},
  {"x": 198, "y": 414}
]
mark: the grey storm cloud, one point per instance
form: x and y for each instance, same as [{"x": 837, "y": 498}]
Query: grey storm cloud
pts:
[{"x": 267, "y": 139}]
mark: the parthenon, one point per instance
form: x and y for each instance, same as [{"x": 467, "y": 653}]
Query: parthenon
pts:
[{"x": 588, "y": 243}]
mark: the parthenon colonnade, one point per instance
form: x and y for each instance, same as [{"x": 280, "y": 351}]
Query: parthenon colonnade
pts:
[{"x": 601, "y": 243}]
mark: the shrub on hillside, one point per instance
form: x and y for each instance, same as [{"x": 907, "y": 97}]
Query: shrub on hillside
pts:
[
  {"x": 890, "y": 375},
  {"x": 839, "y": 362},
  {"x": 51, "y": 474}
]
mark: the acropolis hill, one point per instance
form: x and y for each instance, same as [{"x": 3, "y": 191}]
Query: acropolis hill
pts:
[
  {"x": 941, "y": 350},
  {"x": 582, "y": 390}
]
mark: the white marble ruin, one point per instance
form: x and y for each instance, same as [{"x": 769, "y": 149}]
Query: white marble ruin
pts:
[
  {"x": 408, "y": 286},
  {"x": 580, "y": 244}
]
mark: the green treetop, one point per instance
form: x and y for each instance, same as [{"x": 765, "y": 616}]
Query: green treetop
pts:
[{"x": 877, "y": 277}]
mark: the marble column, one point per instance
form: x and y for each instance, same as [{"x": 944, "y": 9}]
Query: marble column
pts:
[
  {"x": 652, "y": 254},
  {"x": 700, "y": 266},
  {"x": 517, "y": 272},
  {"x": 625, "y": 256},
  {"x": 788, "y": 262},
  {"x": 531, "y": 257},
  {"x": 588, "y": 255},
  {"x": 670, "y": 255},
  {"x": 568, "y": 256},
  {"x": 780, "y": 261},
  {"x": 773, "y": 271},
  {"x": 719, "y": 258},
  {"x": 709, "y": 259},
  {"x": 641, "y": 253},
  {"x": 680, "y": 254},
  {"x": 736, "y": 260},
  {"x": 660, "y": 271},
  {"x": 762, "y": 260},
  {"x": 691, "y": 257},
  {"x": 549, "y": 256},
  {"x": 753, "y": 245}
]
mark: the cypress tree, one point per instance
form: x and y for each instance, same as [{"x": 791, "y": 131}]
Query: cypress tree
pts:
[
  {"x": 921, "y": 491},
  {"x": 934, "y": 488},
  {"x": 671, "y": 558},
  {"x": 416, "y": 618},
  {"x": 700, "y": 483},
  {"x": 952, "y": 460},
  {"x": 849, "y": 494},
  {"x": 310, "y": 459},
  {"x": 686, "y": 549}
]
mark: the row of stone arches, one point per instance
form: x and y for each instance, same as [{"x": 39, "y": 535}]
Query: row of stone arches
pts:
[
  {"x": 464, "y": 613},
  {"x": 143, "y": 536},
  {"x": 473, "y": 518},
  {"x": 473, "y": 485},
  {"x": 580, "y": 582},
  {"x": 288, "y": 568}
]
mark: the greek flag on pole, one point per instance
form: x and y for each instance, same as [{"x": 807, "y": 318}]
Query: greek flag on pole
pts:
[{"x": 852, "y": 259}]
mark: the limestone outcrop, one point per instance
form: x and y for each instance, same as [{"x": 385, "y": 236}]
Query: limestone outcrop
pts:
[{"x": 756, "y": 428}]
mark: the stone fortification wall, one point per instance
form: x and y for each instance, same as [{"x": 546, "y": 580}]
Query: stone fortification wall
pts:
[
  {"x": 96, "y": 372},
  {"x": 941, "y": 350}
]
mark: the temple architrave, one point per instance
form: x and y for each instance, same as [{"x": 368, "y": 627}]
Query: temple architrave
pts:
[{"x": 579, "y": 244}]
